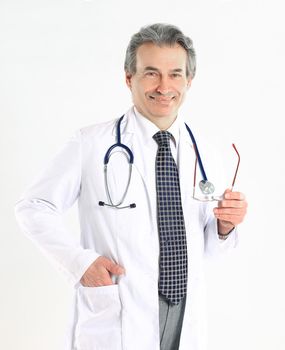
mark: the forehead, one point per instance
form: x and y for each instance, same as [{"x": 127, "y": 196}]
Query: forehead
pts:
[{"x": 170, "y": 57}]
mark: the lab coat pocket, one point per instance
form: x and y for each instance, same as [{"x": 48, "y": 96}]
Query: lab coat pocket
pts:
[{"x": 99, "y": 318}]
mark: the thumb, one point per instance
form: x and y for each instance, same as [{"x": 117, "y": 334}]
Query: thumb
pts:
[
  {"x": 227, "y": 191},
  {"x": 115, "y": 269}
]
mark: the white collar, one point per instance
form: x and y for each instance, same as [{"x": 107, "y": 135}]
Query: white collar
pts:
[{"x": 148, "y": 128}]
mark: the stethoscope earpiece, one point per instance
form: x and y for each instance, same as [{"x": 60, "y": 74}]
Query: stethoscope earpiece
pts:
[{"x": 131, "y": 206}]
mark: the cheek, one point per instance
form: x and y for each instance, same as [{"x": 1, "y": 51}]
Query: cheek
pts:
[
  {"x": 138, "y": 95},
  {"x": 147, "y": 87},
  {"x": 139, "y": 88},
  {"x": 181, "y": 86},
  {"x": 182, "y": 92}
]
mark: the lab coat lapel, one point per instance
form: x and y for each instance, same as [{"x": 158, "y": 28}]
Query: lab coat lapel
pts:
[{"x": 186, "y": 164}]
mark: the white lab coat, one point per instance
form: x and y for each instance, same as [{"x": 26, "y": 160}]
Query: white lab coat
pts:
[{"x": 124, "y": 316}]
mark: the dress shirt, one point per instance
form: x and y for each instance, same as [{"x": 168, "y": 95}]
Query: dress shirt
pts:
[{"x": 146, "y": 130}]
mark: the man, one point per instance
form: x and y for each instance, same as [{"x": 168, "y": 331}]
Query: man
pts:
[{"x": 137, "y": 271}]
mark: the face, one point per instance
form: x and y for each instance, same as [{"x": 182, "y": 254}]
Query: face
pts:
[{"x": 160, "y": 83}]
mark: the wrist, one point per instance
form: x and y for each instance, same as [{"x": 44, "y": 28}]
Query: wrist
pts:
[{"x": 225, "y": 229}]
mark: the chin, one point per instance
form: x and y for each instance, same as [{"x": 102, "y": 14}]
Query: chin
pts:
[{"x": 166, "y": 112}]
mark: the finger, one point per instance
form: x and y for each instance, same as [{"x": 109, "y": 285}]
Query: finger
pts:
[
  {"x": 229, "y": 217},
  {"x": 97, "y": 274},
  {"x": 103, "y": 280},
  {"x": 97, "y": 277},
  {"x": 234, "y": 195},
  {"x": 97, "y": 282},
  {"x": 229, "y": 211},
  {"x": 115, "y": 269},
  {"x": 233, "y": 219},
  {"x": 232, "y": 204}
]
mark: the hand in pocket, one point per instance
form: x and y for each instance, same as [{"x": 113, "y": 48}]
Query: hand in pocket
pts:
[{"x": 100, "y": 272}]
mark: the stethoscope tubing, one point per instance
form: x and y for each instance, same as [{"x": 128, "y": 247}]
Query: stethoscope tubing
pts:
[
  {"x": 129, "y": 154},
  {"x": 202, "y": 170},
  {"x": 118, "y": 144}
]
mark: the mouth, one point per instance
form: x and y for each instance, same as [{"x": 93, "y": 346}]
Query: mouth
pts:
[{"x": 164, "y": 100}]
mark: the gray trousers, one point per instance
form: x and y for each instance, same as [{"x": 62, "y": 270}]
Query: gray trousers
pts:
[{"x": 170, "y": 323}]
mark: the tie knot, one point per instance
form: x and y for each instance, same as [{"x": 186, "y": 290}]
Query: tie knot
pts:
[{"x": 162, "y": 138}]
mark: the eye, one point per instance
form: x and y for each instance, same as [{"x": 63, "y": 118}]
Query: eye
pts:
[
  {"x": 151, "y": 74},
  {"x": 176, "y": 75}
]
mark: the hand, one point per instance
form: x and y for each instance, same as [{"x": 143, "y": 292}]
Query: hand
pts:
[
  {"x": 99, "y": 273},
  {"x": 230, "y": 211}
]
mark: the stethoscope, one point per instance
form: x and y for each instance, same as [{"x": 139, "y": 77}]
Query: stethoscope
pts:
[{"x": 206, "y": 186}]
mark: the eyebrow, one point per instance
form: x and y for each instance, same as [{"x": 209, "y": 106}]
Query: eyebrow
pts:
[
  {"x": 176, "y": 70},
  {"x": 151, "y": 68}
]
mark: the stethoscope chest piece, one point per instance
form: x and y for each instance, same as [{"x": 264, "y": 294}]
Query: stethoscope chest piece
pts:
[{"x": 206, "y": 187}]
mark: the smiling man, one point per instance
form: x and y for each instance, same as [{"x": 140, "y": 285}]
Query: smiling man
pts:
[
  {"x": 160, "y": 82},
  {"x": 137, "y": 271}
]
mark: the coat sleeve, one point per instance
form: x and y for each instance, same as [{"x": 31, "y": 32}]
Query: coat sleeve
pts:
[
  {"x": 213, "y": 244},
  {"x": 40, "y": 211}
]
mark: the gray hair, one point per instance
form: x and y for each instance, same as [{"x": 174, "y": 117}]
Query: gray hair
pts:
[{"x": 160, "y": 34}]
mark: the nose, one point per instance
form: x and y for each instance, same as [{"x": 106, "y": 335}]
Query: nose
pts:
[{"x": 163, "y": 86}]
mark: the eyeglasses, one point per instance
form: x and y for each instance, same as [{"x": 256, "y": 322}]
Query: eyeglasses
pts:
[{"x": 206, "y": 187}]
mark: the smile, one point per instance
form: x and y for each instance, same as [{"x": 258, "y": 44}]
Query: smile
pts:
[{"x": 162, "y": 99}]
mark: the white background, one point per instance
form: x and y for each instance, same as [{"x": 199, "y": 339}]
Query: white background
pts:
[{"x": 61, "y": 68}]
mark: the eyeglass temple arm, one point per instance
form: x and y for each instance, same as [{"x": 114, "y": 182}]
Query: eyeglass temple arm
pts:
[{"x": 234, "y": 180}]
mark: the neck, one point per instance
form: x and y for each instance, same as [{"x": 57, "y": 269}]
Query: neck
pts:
[{"x": 163, "y": 123}]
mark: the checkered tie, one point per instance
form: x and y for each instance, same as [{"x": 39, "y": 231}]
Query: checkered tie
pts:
[{"x": 172, "y": 234}]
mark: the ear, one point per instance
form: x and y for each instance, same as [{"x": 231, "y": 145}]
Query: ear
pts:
[
  {"x": 189, "y": 83},
  {"x": 129, "y": 80}
]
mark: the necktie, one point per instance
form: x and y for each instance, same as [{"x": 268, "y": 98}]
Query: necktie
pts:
[{"x": 171, "y": 228}]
